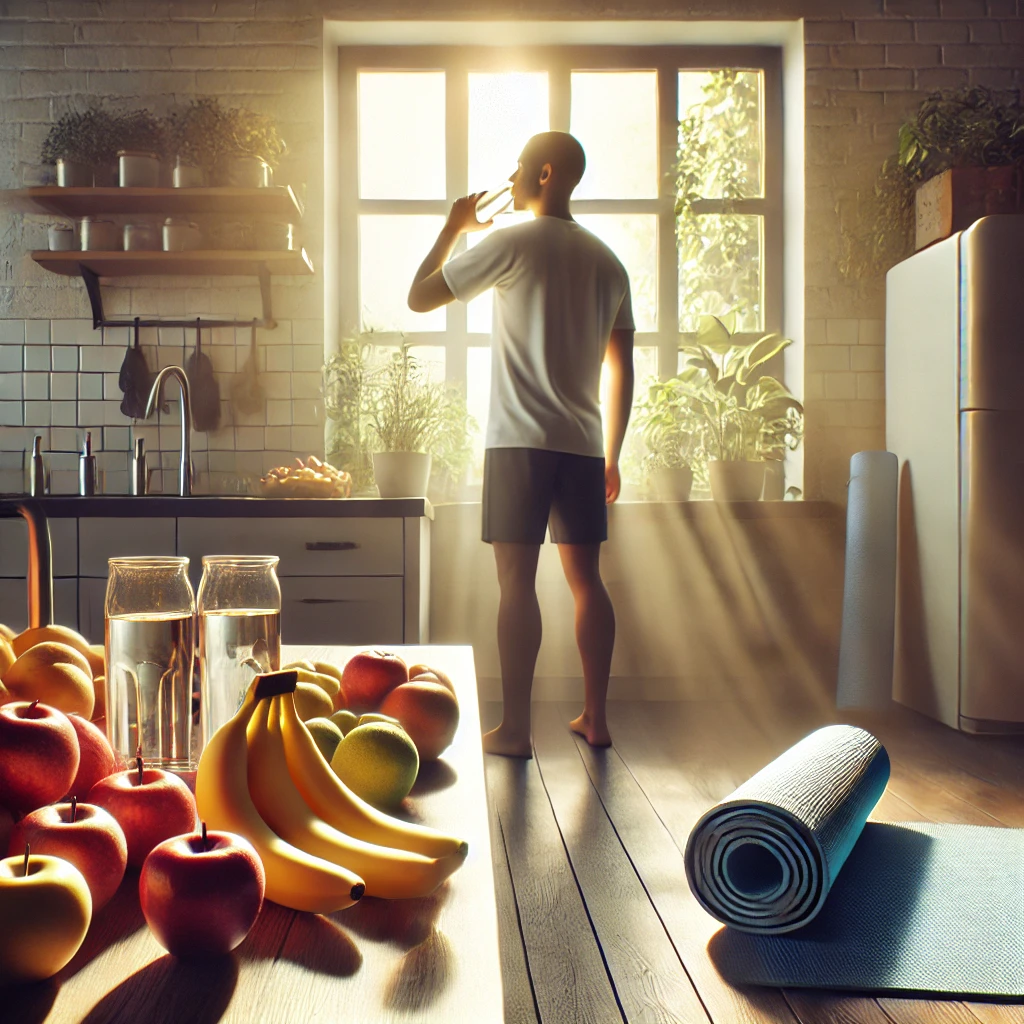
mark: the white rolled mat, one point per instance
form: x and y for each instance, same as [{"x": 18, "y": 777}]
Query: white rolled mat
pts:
[{"x": 869, "y": 585}]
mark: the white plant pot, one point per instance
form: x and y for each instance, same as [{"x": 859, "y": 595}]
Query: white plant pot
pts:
[
  {"x": 73, "y": 174},
  {"x": 736, "y": 481},
  {"x": 137, "y": 170},
  {"x": 673, "y": 484},
  {"x": 401, "y": 474},
  {"x": 186, "y": 175}
]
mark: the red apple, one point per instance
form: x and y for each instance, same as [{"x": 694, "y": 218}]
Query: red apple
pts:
[
  {"x": 82, "y": 834},
  {"x": 97, "y": 757},
  {"x": 38, "y": 755},
  {"x": 150, "y": 805},
  {"x": 368, "y": 677},
  {"x": 6, "y": 827},
  {"x": 201, "y": 893}
]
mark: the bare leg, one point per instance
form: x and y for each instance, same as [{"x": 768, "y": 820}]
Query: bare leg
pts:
[
  {"x": 595, "y": 637},
  {"x": 519, "y": 631}
]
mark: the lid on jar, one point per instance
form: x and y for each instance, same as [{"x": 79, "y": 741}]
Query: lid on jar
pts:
[
  {"x": 137, "y": 152},
  {"x": 95, "y": 220},
  {"x": 179, "y": 222}
]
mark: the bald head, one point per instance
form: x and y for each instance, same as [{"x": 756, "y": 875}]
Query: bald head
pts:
[{"x": 562, "y": 152}]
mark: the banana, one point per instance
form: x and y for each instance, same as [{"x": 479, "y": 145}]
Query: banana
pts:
[
  {"x": 332, "y": 801},
  {"x": 390, "y": 873},
  {"x": 295, "y": 878}
]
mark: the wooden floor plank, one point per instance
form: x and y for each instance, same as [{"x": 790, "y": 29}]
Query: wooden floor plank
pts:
[
  {"x": 997, "y": 1013},
  {"x": 564, "y": 959},
  {"x": 648, "y": 976},
  {"x": 639, "y": 817}
]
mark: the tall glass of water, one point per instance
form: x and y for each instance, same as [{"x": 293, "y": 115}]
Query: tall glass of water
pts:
[
  {"x": 150, "y": 647},
  {"x": 239, "y": 631}
]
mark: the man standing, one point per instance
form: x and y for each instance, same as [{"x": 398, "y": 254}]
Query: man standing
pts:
[{"x": 561, "y": 309}]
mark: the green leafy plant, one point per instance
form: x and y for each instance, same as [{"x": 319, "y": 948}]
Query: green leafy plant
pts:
[
  {"x": 719, "y": 156},
  {"x": 142, "y": 131},
  {"x": 253, "y": 134},
  {"x": 670, "y": 425},
  {"x": 392, "y": 405},
  {"x": 90, "y": 137},
  {"x": 965, "y": 127},
  {"x": 746, "y": 416}
]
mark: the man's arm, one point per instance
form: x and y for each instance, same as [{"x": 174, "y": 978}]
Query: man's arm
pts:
[
  {"x": 619, "y": 357},
  {"x": 429, "y": 288}
]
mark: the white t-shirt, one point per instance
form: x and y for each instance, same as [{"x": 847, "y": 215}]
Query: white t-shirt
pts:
[{"x": 559, "y": 291}]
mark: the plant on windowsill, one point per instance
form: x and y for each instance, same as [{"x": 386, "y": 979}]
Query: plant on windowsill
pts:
[
  {"x": 672, "y": 432},
  {"x": 393, "y": 425},
  {"x": 747, "y": 419},
  {"x": 961, "y": 152}
]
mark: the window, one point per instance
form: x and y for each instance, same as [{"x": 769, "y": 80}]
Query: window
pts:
[{"x": 421, "y": 126}]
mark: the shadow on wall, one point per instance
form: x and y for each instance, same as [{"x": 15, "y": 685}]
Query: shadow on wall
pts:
[{"x": 708, "y": 606}]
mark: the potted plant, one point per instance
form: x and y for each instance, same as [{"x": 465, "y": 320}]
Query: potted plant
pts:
[
  {"x": 80, "y": 144},
  {"x": 393, "y": 425},
  {"x": 747, "y": 418},
  {"x": 672, "y": 431},
  {"x": 959, "y": 157},
  {"x": 197, "y": 136},
  {"x": 142, "y": 146},
  {"x": 254, "y": 147}
]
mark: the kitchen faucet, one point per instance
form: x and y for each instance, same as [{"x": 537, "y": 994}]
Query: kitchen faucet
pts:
[
  {"x": 185, "y": 465},
  {"x": 40, "y": 565}
]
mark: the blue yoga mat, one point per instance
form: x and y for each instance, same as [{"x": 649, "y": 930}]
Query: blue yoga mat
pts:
[{"x": 815, "y": 896}]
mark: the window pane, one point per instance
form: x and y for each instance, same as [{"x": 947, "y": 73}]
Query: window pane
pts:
[
  {"x": 505, "y": 109},
  {"x": 615, "y": 116},
  {"x": 391, "y": 249},
  {"x": 720, "y": 149},
  {"x": 401, "y": 135},
  {"x": 478, "y": 310},
  {"x": 720, "y": 269},
  {"x": 478, "y": 397},
  {"x": 633, "y": 237}
]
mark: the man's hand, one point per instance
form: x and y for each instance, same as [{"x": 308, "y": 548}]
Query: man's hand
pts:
[
  {"x": 462, "y": 217},
  {"x": 612, "y": 482}
]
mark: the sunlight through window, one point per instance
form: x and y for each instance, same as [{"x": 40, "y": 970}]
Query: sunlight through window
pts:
[
  {"x": 401, "y": 135},
  {"x": 505, "y": 109}
]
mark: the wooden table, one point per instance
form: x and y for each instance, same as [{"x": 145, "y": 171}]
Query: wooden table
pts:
[{"x": 432, "y": 959}]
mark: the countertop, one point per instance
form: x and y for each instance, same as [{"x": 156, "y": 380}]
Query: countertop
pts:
[{"x": 72, "y": 506}]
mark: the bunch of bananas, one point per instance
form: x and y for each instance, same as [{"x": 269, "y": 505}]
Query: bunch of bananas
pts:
[{"x": 263, "y": 777}]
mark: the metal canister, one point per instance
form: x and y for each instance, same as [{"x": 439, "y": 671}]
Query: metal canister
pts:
[
  {"x": 141, "y": 237},
  {"x": 135, "y": 169},
  {"x": 98, "y": 235},
  {"x": 180, "y": 235}
]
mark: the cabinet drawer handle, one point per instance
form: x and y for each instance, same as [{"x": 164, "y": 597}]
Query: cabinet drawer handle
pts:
[
  {"x": 331, "y": 545},
  {"x": 324, "y": 600}
]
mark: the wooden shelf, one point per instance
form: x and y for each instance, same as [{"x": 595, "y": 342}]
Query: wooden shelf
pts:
[
  {"x": 197, "y": 262},
  {"x": 277, "y": 202}
]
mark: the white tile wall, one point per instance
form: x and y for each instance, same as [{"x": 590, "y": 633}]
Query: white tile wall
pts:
[{"x": 60, "y": 377}]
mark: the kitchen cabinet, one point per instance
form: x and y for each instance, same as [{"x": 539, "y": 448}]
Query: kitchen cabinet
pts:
[{"x": 353, "y": 571}]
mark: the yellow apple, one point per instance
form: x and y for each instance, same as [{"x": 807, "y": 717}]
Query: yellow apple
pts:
[{"x": 44, "y": 915}]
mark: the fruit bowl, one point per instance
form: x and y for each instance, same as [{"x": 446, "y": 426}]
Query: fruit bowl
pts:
[{"x": 309, "y": 479}]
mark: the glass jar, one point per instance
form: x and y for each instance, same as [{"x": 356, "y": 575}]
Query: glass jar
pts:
[
  {"x": 239, "y": 631},
  {"x": 150, "y": 648}
]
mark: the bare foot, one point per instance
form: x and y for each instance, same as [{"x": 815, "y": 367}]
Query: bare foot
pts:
[
  {"x": 499, "y": 741},
  {"x": 596, "y": 736}
]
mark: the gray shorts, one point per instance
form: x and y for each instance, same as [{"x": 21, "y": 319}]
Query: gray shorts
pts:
[{"x": 526, "y": 489}]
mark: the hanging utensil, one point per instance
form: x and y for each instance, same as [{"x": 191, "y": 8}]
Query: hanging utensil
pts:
[
  {"x": 247, "y": 394},
  {"x": 135, "y": 379},
  {"x": 204, "y": 387}
]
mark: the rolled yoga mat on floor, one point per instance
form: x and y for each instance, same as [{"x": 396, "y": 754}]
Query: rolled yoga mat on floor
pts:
[
  {"x": 869, "y": 583},
  {"x": 814, "y": 896}
]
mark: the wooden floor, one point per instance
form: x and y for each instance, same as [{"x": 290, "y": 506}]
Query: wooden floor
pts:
[{"x": 596, "y": 921}]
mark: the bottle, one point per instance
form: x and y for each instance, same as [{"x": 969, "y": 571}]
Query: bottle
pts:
[
  {"x": 492, "y": 203},
  {"x": 140, "y": 471},
  {"x": 36, "y": 471},
  {"x": 87, "y": 467}
]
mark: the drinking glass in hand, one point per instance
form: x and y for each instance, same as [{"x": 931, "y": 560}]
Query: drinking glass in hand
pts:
[
  {"x": 239, "y": 631},
  {"x": 150, "y": 647}
]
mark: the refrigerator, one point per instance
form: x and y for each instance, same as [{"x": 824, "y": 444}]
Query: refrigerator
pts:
[{"x": 954, "y": 369}]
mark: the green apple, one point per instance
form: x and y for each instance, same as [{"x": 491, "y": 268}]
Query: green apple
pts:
[
  {"x": 346, "y": 721},
  {"x": 45, "y": 910},
  {"x": 378, "y": 762},
  {"x": 326, "y": 735}
]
